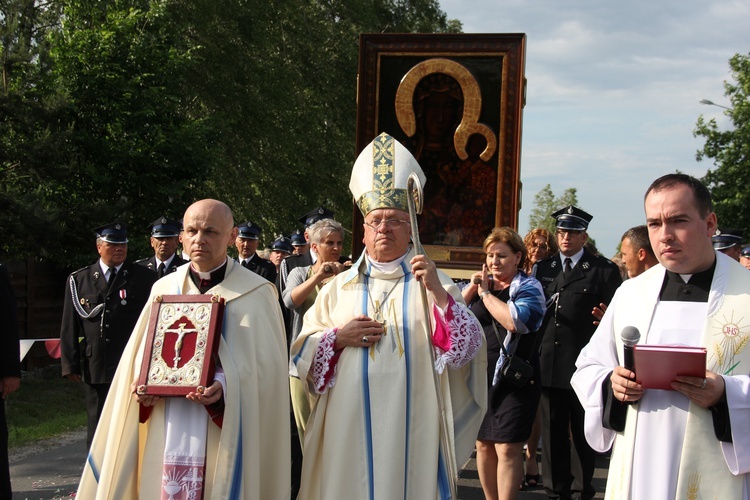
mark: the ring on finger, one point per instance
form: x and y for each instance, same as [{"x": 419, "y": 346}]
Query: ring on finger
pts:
[
  {"x": 365, "y": 339},
  {"x": 705, "y": 382}
]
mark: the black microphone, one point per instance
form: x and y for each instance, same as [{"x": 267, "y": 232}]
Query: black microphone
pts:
[{"x": 630, "y": 337}]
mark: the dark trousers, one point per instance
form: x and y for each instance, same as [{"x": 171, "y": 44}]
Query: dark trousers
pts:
[
  {"x": 96, "y": 394},
  {"x": 567, "y": 459},
  {"x": 5, "y": 491}
]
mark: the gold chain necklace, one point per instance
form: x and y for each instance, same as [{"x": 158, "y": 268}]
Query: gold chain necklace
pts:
[{"x": 376, "y": 310}]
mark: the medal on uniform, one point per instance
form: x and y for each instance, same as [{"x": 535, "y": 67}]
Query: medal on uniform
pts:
[{"x": 123, "y": 296}]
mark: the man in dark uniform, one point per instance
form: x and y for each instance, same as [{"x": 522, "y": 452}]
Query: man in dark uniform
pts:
[
  {"x": 10, "y": 371},
  {"x": 247, "y": 246},
  {"x": 299, "y": 242},
  {"x": 575, "y": 283},
  {"x": 281, "y": 248},
  {"x": 102, "y": 304},
  {"x": 165, "y": 234},
  {"x": 728, "y": 241}
]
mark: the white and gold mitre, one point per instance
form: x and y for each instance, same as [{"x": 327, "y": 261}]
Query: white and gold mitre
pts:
[{"x": 380, "y": 174}]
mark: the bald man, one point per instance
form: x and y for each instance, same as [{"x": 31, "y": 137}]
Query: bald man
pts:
[{"x": 236, "y": 432}]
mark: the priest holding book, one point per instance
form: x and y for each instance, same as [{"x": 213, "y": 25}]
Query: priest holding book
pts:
[{"x": 690, "y": 441}]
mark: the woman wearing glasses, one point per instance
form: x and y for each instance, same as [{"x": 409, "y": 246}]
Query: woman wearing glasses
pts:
[{"x": 539, "y": 244}]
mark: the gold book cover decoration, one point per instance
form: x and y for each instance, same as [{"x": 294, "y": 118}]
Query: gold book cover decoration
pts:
[{"x": 183, "y": 338}]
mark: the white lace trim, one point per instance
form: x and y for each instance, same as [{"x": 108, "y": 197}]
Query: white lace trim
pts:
[
  {"x": 466, "y": 339},
  {"x": 322, "y": 361}
]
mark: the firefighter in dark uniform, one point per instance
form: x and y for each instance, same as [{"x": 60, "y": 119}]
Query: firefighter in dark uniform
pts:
[
  {"x": 300, "y": 244},
  {"x": 247, "y": 247},
  {"x": 165, "y": 237},
  {"x": 102, "y": 304},
  {"x": 575, "y": 282}
]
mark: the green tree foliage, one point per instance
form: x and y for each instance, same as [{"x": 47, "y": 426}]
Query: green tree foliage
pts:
[
  {"x": 136, "y": 108},
  {"x": 31, "y": 130},
  {"x": 545, "y": 204},
  {"x": 730, "y": 151}
]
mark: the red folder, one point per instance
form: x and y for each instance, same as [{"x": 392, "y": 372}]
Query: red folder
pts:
[{"x": 657, "y": 366}]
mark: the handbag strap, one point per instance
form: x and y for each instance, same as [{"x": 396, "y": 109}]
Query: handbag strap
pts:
[{"x": 502, "y": 344}]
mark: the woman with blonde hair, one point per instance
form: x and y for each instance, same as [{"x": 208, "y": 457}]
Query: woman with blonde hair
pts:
[{"x": 510, "y": 306}]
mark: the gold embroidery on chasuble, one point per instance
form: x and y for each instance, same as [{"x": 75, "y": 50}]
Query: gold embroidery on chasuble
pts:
[{"x": 731, "y": 336}]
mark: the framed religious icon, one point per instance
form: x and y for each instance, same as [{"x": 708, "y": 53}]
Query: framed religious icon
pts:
[
  {"x": 183, "y": 338},
  {"x": 456, "y": 102}
]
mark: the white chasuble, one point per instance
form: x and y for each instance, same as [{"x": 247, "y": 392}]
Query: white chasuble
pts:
[
  {"x": 669, "y": 448},
  {"x": 374, "y": 431},
  {"x": 248, "y": 456}
]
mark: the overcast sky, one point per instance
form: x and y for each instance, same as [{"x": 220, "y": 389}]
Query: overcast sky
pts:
[{"x": 613, "y": 91}]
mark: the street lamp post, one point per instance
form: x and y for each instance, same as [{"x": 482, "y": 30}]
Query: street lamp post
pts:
[{"x": 711, "y": 103}]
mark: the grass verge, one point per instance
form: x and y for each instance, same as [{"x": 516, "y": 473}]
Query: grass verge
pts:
[{"x": 45, "y": 406}]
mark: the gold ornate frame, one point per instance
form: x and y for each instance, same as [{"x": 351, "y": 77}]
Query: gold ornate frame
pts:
[
  {"x": 489, "y": 69},
  {"x": 183, "y": 338}
]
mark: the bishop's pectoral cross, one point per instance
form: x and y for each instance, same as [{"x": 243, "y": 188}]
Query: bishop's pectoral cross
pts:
[
  {"x": 381, "y": 318},
  {"x": 181, "y": 331}
]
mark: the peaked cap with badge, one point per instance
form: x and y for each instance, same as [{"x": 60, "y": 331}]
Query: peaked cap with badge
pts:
[
  {"x": 248, "y": 231},
  {"x": 298, "y": 238},
  {"x": 164, "y": 227},
  {"x": 115, "y": 233},
  {"x": 726, "y": 238},
  {"x": 315, "y": 215},
  {"x": 572, "y": 218},
  {"x": 282, "y": 244},
  {"x": 380, "y": 175}
]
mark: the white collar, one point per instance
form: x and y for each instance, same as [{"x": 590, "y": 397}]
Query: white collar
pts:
[
  {"x": 574, "y": 258},
  {"x": 105, "y": 268}
]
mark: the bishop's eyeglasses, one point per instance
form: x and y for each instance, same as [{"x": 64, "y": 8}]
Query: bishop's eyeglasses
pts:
[{"x": 389, "y": 223}]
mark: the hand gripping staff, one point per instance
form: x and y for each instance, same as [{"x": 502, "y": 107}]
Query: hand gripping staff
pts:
[{"x": 415, "y": 201}]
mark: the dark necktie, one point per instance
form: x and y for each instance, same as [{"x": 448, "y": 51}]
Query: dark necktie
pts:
[
  {"x": 161, "y": 269},
  {"x": 112, "y": 274},
  {"x": 568, "y": 266},
  {"x": 246, "y": 263}
]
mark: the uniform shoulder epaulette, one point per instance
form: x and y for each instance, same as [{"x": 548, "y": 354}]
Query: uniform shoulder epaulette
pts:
[
  {"x": 79, "y": 270},
  {"x": 141, "y": 260}
]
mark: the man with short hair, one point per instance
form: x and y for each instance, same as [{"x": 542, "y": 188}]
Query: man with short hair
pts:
[
  {"x": 636, "y": 251},
  {"x": 165, "y": 237},
  {"x": 575, "y": 282},
  {"x": 364, "y": 354},
  {"x": 229, "y": 441},
  {"x": 690, "y": 442},
  {"x": 728, "y": 241},
  {"x": 247, "y": 241},
  {"x": 101, "y": 305}
]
